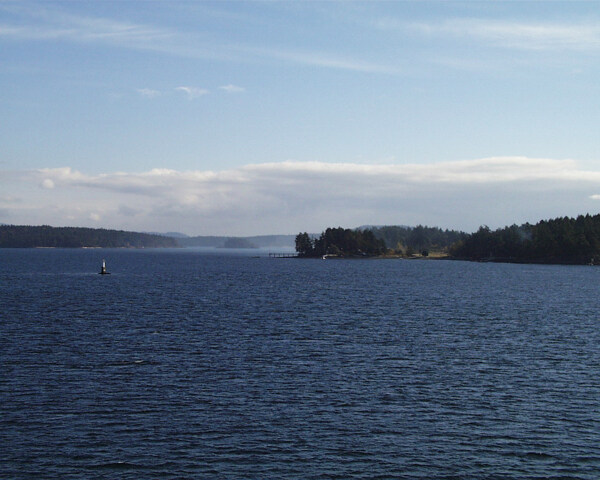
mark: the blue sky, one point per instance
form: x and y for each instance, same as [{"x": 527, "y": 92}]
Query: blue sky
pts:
[{"x": 275, "y": 117}]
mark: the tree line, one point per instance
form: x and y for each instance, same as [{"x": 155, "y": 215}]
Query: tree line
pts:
[
  {"x": 340, "y": 241},
  {"x": 409, "y": 240},
  {"x": 19, "y": 236},
  {"x": 560, "y": 240}
]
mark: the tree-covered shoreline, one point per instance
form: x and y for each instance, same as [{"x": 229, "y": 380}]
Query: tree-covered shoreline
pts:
[
  {"x": 558, "y": 241},
  {"x": 45, "y": 236},
  {"x": 340, "y": 242},
  {"x": 407, "y": 241},
  {"x": 561, "y": 240},
  {"x": 389, "y": 241}
]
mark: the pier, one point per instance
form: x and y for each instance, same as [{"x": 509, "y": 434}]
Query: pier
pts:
[{"x": 283, "y": 255}]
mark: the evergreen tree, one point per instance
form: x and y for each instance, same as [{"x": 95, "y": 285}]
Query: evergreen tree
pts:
[
  {"x": 562, "y": 240},
  {"x": 304, "y": 245}
]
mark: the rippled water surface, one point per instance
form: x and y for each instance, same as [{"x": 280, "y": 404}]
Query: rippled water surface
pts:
[{"x": 183, "y": 364}]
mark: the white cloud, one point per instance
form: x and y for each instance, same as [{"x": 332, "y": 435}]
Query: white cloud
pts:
[
  {"x": 192, "y": 92},
  {"x": 290, "y": 196},
  {"x": 148, "y": 92},
  {"x": 47, "y": 183},
  {"x": 232, "y": 88}
]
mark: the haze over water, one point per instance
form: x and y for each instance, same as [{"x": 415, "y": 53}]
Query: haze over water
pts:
[{"x": 183, "y": 364}]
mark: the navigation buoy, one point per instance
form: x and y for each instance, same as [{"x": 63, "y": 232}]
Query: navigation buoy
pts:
[{"x": 103, "y": 269}]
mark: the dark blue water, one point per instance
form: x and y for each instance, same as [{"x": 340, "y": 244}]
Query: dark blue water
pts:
[{"x": 186, "y": 365}]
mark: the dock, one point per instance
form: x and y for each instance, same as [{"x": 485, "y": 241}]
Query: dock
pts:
[{"x": 283, "y": 255}]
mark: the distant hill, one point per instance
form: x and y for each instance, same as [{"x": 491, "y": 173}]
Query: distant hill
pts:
[
  {"x": 169, "y": 234},
  {"x": 20, "y": 236},
  {"x": 238, "y": 243},
  {"x": 257, "y": 241},
  {"x": 175, "y": 235},
  {"x": 203, "y": 241}
]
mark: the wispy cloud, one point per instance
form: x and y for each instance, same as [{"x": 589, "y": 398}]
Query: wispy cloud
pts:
[
  {"x": 290, "y": 196},
  {"x": 41, "y": 22},
  {"x": 512, "y": 34},
  {"x": 148, "y": 92},
  {"x": 192, "y": 92},
  {"x": 232, "y": 88},
  {"x": 44, "y": 23},
  {"x": 322, "y": 59}
]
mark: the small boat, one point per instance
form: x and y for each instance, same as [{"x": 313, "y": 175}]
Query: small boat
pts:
[{"x": 103, "y": 269}]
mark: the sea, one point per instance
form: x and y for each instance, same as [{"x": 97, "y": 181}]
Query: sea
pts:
[{"x": 228, "y": 364}]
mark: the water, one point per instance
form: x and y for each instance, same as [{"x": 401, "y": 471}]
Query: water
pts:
[{"x": 195, "y": 364}]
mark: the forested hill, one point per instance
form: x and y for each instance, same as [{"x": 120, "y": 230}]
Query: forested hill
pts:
[
  {"x": 14, "y": 236},
  {"x": 416, "y": 239},
  {"x": 562, "y": 240}
]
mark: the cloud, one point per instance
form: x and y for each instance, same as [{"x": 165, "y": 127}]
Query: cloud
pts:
[
  {"x": 291, "y": 196},
  {"x": 512, "y": 34},
  {"x": 232, "y": 88},
  {"x": 45, "y": 23},
  {"x": 148, "y": 92},
  {"x": 321, "y": 59},
  {"x": 47, "y": 183},
  {"x": 192, "y": 92},
  {"x": 41, "y": 22}
]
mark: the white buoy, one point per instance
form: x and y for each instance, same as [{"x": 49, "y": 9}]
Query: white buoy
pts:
[{"x": 103, "y": 269}]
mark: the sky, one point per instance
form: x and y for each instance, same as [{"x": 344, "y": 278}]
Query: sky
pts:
[{"x": 275, "y": 117}]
